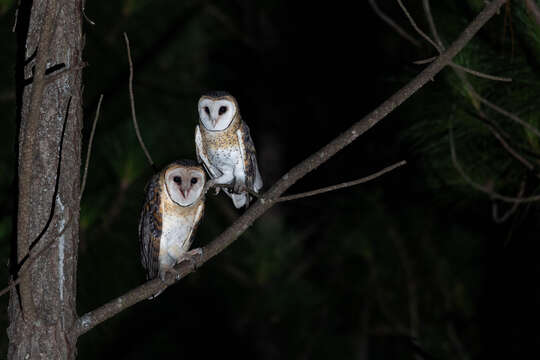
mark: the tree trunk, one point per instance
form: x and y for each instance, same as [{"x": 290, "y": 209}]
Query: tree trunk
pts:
[{"x": 42, "y": 310}]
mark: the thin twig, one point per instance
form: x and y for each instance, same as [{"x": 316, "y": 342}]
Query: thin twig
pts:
[
  {"x": 480, "y": 74},
  {"x": 495, "y": 208},
  {"x": 342, "y": 185},
  {"x": 431, "y": 23},
  {"x": 465, "y": 69},
  {"x": 89, "y": 151},
  {"x": 482, "y": 188},
  {"x": 404, "y": 34},
  {"x": 132, "y": 102},
  {"x": 95, "y": 317},
  {"x": 425, "y": 61},
  {"x": 418, "y": 30},
  {"x": 83, "y": 5}
]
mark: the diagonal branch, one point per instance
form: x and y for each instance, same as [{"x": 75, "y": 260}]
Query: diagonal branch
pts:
[{"x": 226, "y": 238}]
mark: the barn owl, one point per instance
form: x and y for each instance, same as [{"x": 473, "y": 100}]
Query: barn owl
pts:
[
  {"x": 225, "y": 148},
  {"x": 172, "y": 211}
]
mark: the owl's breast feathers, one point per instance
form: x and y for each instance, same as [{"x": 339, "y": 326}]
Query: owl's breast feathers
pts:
[{"x": 221, "y": 140}]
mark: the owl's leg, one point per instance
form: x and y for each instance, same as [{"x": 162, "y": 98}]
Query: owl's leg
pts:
[
  {"x": 166, "y": 265},
  {"x": 167, "y": 269}
]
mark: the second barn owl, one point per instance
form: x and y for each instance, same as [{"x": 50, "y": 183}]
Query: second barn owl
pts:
[
  {"x": 173, "y": 208},
  {"x": 225, "y": 147}
]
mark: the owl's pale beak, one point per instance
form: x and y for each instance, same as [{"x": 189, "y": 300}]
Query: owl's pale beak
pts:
[
  {"x": 184, "y": 193},
  {"x": 214, "y": 121}
]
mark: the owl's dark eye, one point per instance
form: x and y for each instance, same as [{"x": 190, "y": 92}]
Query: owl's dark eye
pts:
[
  {"x": 177, "y": 179},
  {"x": 207, "y": 110},
  {"x": 222, "y": 110},
  {"x": 194, "y": 180}
]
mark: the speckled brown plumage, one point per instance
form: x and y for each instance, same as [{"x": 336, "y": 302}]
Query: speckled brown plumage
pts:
[{"x": 150, "y": 226}]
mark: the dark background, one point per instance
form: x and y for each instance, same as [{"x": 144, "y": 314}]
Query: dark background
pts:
[{"x": 411, "y": 265}]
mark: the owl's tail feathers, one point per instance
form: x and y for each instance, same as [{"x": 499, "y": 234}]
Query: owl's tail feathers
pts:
[{"x": 240, "y": 200}]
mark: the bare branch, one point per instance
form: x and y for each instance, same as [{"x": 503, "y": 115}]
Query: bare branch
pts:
[
  {"x": 431, "y": 23},
  {"x": 83, "y": 5},
  {"x": 480, "y": 74},
  {"x": 227, "y": 237},
  {"x": 404, "y": 34},
  {"x": 467, "y": 70},
  {"x": 342, "y": 185},
  {"x": 89, "y": 151},
  {"x": 418, "y": 30},
  {"x": 495, "y": 208},
  {"x": 132, "y": 102},
  {"x": 425, "y": 61}
]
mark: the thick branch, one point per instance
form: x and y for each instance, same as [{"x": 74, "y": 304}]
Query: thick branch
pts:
[
  {"x": 110, "y": 309},
  {"x": 28, "y": 137}
]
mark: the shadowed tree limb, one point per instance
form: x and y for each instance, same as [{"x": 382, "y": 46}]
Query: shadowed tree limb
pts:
[{"x": 226, "y": 238}]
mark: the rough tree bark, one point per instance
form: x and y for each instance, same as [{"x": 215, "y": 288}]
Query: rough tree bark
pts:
[{"x": 43, "y": 310}]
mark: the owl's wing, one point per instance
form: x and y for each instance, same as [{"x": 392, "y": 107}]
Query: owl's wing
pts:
[
  {"x": 201, "y": 155},
  {"x": 249, "y": 156},
  {"x": 150, "y": 226}
]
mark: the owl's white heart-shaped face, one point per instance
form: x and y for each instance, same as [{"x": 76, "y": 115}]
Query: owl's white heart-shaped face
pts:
[
  {"x": 184, "y": 184},
  {"x": 216, "y": 114}
]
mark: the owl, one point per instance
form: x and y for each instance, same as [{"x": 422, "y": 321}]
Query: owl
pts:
[
  {"x": 225, "y": 148},
  {"x": 173, "y": 208}
]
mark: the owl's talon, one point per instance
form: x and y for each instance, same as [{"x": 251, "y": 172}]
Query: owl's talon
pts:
[
  {"x": 163, "y": 274},
  {"x": 189, "y": 257}
]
